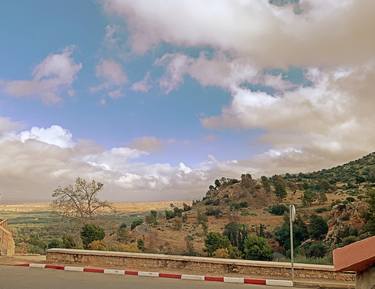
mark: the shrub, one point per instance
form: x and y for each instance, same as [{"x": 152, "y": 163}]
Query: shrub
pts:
[
  {"x": 69, "y": 242},
  {"x": 132, "y": 248},
  {"x": 90, "y": 233},
  {"x": 169, "y": 214},
  {"x": 55, "y": 243},
  {"x": 221, "y": 253},
  {"x": 348, "y": 240},
  {"x": 97, "y": 245},
  {"x": 140, "y": 244},
  {"x": 316, "y": 250},
  {"x": 214, "y": 212},
  {"x": 257, "y": 248},
  {"x": 317, "y": 227},
  {"x": 215, "y": 241},
  {"x": 278, "y": 209},
  {"x": 136, "y": 223}
]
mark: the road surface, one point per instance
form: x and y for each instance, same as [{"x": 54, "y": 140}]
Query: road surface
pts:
[{"x": 34, "y": 278}]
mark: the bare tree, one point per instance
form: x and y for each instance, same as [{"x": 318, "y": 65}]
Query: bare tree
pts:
[{"x": 79, "y": 200}]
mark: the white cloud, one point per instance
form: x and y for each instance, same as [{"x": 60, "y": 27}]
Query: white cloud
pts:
[
  {"x": 54, "y": 135},
  {"x": 35, "y": 162},
  {"x": 272, "y": 36},
  {"x": 113, "y": 78},
  {"x": 51, "y": 78}
]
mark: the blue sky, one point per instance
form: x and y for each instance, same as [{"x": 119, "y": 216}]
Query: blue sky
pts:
[
  {"x": 44, "y": 27},
  {"x": 158, "y": 99}
]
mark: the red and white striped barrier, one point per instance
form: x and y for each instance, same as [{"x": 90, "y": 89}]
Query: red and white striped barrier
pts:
[{"x": 238, "y": 280}]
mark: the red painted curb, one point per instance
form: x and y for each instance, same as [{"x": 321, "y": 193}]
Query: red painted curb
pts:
[
  {"x": 172, "y": 276},
  {"x": 161, "y": 275},
  {"x": 255, "y": 281},
  {"x": 213, "y": 279},
  {"x": 132, "y": 273},
  {"x": 93, "y": 270}
]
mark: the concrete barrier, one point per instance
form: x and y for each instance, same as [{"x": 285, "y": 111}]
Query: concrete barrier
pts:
[{"x": 186, "y": 264}]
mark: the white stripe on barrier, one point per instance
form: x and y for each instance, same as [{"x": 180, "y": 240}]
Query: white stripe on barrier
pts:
[
  {"x": 234, "y": 280},
  {"x": 285, "y": 283},
  {"x": 192, "y": 277},
  {"x": 148, "y": 274},
  {"x": 33, "y": 265},
  {"x": 74, "y": 269},
  {"x": 114, "y": 271}
]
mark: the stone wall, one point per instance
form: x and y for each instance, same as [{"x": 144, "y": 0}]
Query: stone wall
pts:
[
  {"x": 185, "y": 264},
  {"x": 366, "y": 279},
  {"x": 7, "y": 245}
]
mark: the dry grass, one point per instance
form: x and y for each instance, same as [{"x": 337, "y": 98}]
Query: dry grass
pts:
[{"x": 121, "y": 207}]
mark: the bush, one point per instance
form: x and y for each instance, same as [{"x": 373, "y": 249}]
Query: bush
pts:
[
  {"x": 90, "y": 233},
  {"x": 215, "y": 241},
  {"x": 278, "y": 210},
  {"x": 214, "y": 212},
  {"x": 136, "y": 223},
  {"x": 55, "y": 243},
  {"x": 348, "y": 240},
  {"x": 221, "y": 253},
  {"x": 317, "y": 227},
  {"x": 316, "y": 250},
  {"x": 140, "y": 244},
  {"x": 69, "y": 242},
  {"x": 238, "y": 206},
  {"x": 282, "y": 234},
  {"x": 97, "y": 245},
  {"x": 257, "y": 248},
  {"x": 169, "y": 214}
]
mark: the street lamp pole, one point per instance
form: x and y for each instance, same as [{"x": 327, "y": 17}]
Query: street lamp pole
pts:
[{"x": 292, "y": 217}]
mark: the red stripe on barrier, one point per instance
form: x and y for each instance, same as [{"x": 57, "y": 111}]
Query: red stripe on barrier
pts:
[
  {"x": 93, "y": 270},
  {"x": 167, "y": 275},
  {"x": 132, "y": 273},
  {"x": 55, "y": 267},
  {"x": 255, "y": 281},
  {"x": 23, "y": 265},
  {"x": 214, "y": 279}
]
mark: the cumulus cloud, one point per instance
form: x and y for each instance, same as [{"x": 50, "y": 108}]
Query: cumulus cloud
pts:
[
  {"x": 272, "y": 36},
  {"x": 35, "y": 161},
  {"x": 113, "y": 78},
  {"x": 51, "y": 79},
  {"x": 308, "y": 126}
]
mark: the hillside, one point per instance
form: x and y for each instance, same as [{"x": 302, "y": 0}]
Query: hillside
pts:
[{"x": 336, "y": 195}]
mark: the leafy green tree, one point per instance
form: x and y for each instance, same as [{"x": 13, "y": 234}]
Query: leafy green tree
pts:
[
  {"x": 237, "y": 234},
  {"x": 317, "y": 227},
  {"x": 214, "y": 241},
  {"x": 136, "y": 223},
  {"x": 257, "y": 248},
  {"x": 278, "y": 209},
  {"x": 316, "y": 250},
  {"x": 282, "y": 233},
  {"x": 90, "y": 233}
]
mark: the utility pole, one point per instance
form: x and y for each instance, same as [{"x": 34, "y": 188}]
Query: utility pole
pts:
[{"x": 292, "y": 217}]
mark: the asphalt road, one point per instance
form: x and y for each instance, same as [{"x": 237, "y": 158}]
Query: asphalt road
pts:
[{"x": 34, "y": 278}]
